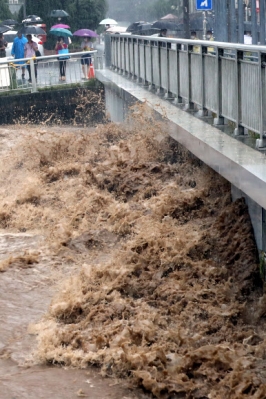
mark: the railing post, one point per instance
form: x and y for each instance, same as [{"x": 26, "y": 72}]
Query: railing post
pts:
[
  {"x": 33, "y": 78},
  {"x": 203, "y": 111},
  {"x": 144, "y": 81},
  {"x": 178, "y": 99},
  {"x": 219, "y": 120},
  {"x": 190, "y": 105},
  {"x": 261, "y": 142},
  {"x": 159, "y": 44},
  {"x": 239, "y": 130},
  {"x": 168, "y": 46},
  {"x": 107, "y": 49},
  {"x": 125, "y": 44},
  {"x": 120, "y": 54},
  {"x": 138, "y": 74},
  {"x": 151, "y": 85}
]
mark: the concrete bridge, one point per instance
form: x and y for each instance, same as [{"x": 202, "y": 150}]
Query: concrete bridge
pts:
[{"x": 222, "y": 84}]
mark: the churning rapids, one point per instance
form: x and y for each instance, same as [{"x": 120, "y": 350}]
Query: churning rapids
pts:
[{"x": 152, "y": 271}]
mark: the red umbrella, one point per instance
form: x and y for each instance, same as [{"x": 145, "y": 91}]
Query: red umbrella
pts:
[{"x": 60, "y": 26}]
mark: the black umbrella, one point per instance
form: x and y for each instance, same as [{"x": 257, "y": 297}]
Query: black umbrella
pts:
[
  {"x": 32, "y": 30},
  {"x": 32, "y": 19},
  {"x": 4, "y": 28},
  {"x": 134, "y": 26},
  {"x": 59, "y": 14},
  {"x": 145, "y": 29},
  {"x": 165, "y": 25},
  {"x": 9, "y": 22}
]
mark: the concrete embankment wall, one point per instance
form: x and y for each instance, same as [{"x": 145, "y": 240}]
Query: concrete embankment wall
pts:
[{"x": 56, "y": 105}]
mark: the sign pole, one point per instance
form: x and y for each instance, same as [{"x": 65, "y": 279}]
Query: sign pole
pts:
[{"x": 204, "y": 25}]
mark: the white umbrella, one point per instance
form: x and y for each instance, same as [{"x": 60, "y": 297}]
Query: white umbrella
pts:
[
  {"x": 108, "y": 21},
  {"x": 118, "y": 29}
]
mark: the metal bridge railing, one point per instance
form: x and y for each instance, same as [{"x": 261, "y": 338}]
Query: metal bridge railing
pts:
[
  {"x": 48, "y": 73},
  {"x": 226, "y": 79}
]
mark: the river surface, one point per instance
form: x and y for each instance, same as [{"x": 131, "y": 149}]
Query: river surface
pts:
[{"x": 126, "y": 271}]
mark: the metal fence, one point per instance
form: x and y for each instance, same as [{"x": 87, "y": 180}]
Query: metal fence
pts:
[
  {"x": 226, "y": 79},
  {"x": 45, "y": 71}
]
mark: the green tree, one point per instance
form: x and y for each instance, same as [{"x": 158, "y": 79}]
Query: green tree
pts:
[
  {"x": 163, "y": 7},
  {"x": 82, "y": 13},
  {"x": 131, "y": 10},
  {"x": 5, "y": 13},
  {"x": 87, "y": 13}
]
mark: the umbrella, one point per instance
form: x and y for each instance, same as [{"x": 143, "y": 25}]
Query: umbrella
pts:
[
  {"x": 85, "y": 33},
  {"x": 169, "y": 17},
  {"x": 116, "y": 29},
  {"x": 60, "y": 26},
  {"x": 32, "y": 30},
  {"x": 147, "y": 31},
  {"x": 61, "y": 32},
  {"x": 32, "y": 19},
  {"x": 59, "y": 14},
  {"x": 108, "y": 21},
  {"x": 4, "y": 28},
  {"x": 9, "y": 22},
  {"x": 165, "y": 25},
  {"x": 133, "y": 27}
]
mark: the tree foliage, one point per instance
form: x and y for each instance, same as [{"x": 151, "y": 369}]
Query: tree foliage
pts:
[
  {"x": 131, "y": 10},
  {"x": 4, "y": 10},
  {"x": 82, "y": 13},
  {"x": 147, "y": 10}
]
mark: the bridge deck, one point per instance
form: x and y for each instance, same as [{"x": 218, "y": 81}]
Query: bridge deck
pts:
[{"x": 243, "y": 166}]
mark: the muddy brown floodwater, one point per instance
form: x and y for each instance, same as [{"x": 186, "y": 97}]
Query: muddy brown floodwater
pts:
[{"x": 126, "y": 270}]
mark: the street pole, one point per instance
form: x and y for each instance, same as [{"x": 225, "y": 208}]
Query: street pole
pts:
[
  {"x": 186, "y": 18},
  {"x": 204, "y": 25},
  {"x": 240, "y": 21},
  {"x": 254, "y": 22},
  {"x": 24, "y": 9},
  {"x": 221, "y": 25}
]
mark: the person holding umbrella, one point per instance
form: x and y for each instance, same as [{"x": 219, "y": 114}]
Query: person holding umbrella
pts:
[
  {"x": 86, "y": 45},
  {"x": 18, "y": 51},
  {"x": 59, "y": 47},
  {"x": 30, "y": 49}
]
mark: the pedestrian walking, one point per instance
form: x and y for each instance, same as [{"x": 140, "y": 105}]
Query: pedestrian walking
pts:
[
  {"x": 3, "y": 45},
  {"x": 86, "y": 45},
  {"x": 18, "y": 52},
  {"x": 62, "y": 48},
  {"x": 30, "y": 49}
]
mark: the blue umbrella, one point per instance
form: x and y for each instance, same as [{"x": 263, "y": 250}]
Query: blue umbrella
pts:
[{"x": 61, "y": 32}]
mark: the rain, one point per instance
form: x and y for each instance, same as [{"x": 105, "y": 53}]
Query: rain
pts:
[{"x": 127, "y": 271}]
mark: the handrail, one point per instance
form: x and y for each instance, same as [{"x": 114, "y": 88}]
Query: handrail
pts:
[
  {"x": 204, "y": 43},
  {"x": 46, "y": 57},
  {"x": 227, "y": 79},
  {"x": 47, "y": 71}
]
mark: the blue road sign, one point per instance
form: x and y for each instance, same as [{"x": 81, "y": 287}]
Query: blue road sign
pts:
[{"x": 203, "y": 5}]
